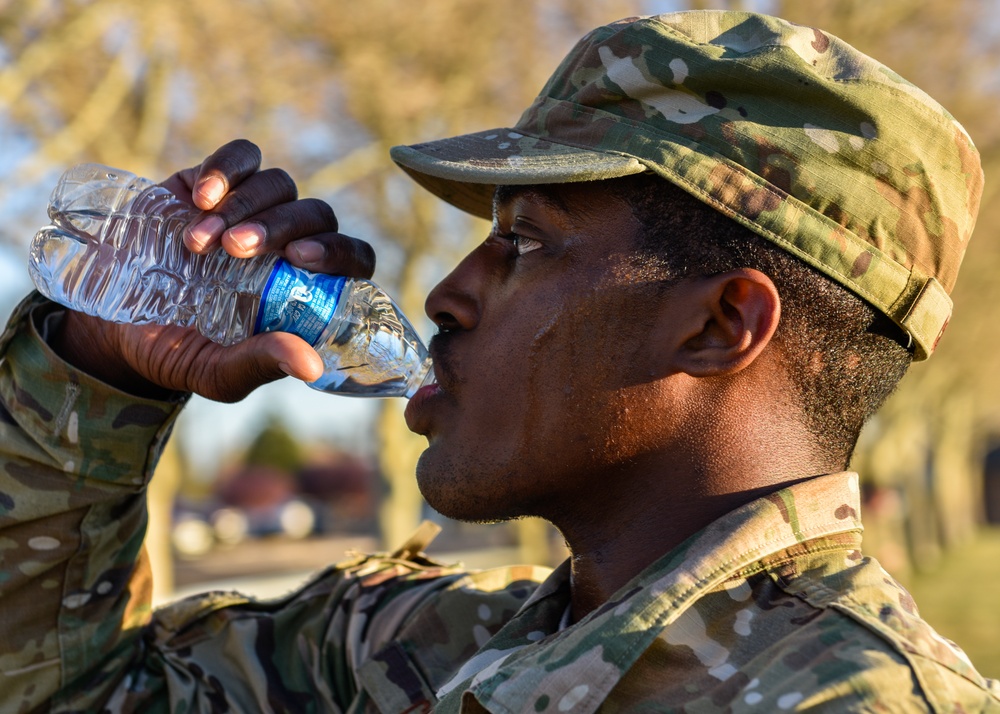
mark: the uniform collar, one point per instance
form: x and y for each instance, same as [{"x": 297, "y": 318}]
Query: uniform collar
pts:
[{"x": 528, "y": 663}]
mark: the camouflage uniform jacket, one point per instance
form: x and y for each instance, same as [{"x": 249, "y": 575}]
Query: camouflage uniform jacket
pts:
[{"x": 772, "y": 608}]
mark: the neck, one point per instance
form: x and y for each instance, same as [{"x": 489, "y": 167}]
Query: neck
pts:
[
  {"x": 603, "y": 559},
  {"x": 619, "y": 532}
]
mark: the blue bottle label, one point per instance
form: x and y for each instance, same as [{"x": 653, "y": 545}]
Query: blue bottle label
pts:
[{"x": 298, "y": 301}]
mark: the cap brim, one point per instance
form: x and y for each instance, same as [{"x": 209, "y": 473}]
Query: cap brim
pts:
[{"x": 464, "y": 170}]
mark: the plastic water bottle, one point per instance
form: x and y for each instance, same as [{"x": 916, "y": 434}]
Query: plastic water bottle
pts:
[{"x": 114, "y": 250}]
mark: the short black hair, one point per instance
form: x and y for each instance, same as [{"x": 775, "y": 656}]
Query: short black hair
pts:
[{"x": 843, "y": 356}]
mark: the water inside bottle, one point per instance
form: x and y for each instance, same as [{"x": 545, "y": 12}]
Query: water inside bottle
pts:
[{"x": 372, "y": 349}]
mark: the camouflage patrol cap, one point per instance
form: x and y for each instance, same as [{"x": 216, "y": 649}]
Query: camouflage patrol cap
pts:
[{"x": 788, "y": 130}]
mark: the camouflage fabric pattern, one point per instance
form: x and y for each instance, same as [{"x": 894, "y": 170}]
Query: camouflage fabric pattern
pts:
[
  {"x": 77, "y": 633},
  {"x": 772, "y": 608},
  {"x": 787, "y": 129}
]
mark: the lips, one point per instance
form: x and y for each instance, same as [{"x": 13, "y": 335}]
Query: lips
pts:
[
  {"x": 418, "y": 409},
  {"x": 416, "y": 412}
]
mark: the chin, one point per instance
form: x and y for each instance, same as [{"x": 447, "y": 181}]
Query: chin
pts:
[{"x": 466, "y": 492}]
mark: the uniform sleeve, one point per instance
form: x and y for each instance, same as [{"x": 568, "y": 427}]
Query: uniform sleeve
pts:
[
  {"x": 77, "y": 632},
  {"x": 75, "y": 457}
]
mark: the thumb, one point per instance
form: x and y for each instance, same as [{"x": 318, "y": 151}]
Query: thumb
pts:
[
  {"x": 291, "y": 355},
  {"x": 261, "y": 359}
]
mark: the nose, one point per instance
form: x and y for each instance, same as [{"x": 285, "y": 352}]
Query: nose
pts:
[{"x": 456, "y": 302}]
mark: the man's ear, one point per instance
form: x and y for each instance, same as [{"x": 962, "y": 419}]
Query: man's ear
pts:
[{"x": 727, "y": 321}]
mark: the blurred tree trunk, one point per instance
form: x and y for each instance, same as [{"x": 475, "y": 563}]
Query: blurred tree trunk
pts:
[
  {"x": 958, "y": 484},
  {"x": 399, "y": 512},
  {"x": 535, "y": 542},
  {"x": 160, "y": 499}
]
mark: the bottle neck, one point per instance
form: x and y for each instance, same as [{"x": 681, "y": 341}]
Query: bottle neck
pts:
[{"x": 423, "y": 377}]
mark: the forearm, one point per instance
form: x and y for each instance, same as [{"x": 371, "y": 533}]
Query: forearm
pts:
[
  {"x": 80, "y": 340},
  {"x": 75, "y": 456}
]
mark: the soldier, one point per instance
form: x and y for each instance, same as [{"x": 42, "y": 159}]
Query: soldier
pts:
[{"x": 718, "y": 241}]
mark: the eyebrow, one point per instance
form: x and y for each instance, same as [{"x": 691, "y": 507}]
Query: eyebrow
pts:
[{"x": 504, "y": 194}]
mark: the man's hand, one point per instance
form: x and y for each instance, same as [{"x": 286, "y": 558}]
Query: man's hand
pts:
[{"x": 247, "y": 212}]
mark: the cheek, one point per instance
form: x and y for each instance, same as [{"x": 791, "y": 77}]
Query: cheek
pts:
[
  {"x": 574, "y": 365},
  {"x": 595, "y": 342},
  {"x": 579, "y": 370}
]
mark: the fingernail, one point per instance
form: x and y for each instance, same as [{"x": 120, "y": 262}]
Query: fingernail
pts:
[
  {"x": 205, "y": 232},
  {"x": 248, "y": 236},
  {"x": 211, "y": 190},
  {"x": 308, "y": 251},
  {"x": 283, "y": 366}
]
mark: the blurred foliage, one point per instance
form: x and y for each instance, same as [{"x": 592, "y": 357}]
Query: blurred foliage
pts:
[
  {"x": 275, "y": 447},
  {"x": 326, "y": 87}
]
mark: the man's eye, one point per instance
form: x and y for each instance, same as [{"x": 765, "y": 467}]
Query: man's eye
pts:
[{"x": 523, "y": 244}]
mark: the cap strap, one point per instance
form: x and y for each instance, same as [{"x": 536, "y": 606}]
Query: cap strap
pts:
[{"x": 924, "y": 315}]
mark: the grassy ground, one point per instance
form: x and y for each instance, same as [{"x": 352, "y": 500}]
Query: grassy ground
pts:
[{"x": 961, "y": 600}]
